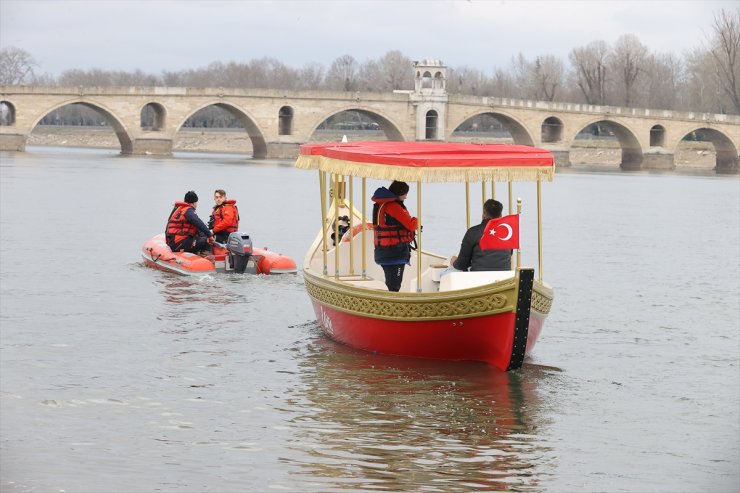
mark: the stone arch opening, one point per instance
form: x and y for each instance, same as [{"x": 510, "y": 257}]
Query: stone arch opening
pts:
[
  {"x": 426, "y": 80},
  {"x": 221, "y": 127},
  {"x": 7, "y": 114},
  {"x": 81, "y": 124},
  {"x": 431, "y": 124},
  {"x": 153, "y": 117},
  {"x": 438, "y": 81},
  {"x": 552, "y": 130},
  {"x": 285, "y": 121},
  {"x": 357, "y": 124},
  {"x": 606, "y": 143},
  {"x": 707, "y": 148},
  {"x": 657, "y": 136},
  {"x": 491, "y": 128}
]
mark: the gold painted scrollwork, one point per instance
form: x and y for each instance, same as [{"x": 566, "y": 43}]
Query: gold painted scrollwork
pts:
[
  {"x": 484, "y": 303},
  {"x": 541, "y": 303}
]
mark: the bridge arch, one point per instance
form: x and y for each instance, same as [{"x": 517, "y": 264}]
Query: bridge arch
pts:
[
  {"x": 517, "y": 129},
  {"x": 153, "y": 117},
  {"x": 552, "y": 130},
  {"x": 391, "y": 130},
  {"x": 7, "y": 113},
  {"x": 657, "y": 136},
  {"x": 727, "y": 153},
  {"x": 285, "y": 120},
  {"x": 632, "y": 153},
  {"x": 123, "y": 135},
  {"x": 259, "y": 144}
]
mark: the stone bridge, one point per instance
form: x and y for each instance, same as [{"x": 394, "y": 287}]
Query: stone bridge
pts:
[{"x": 278, "y": 121}]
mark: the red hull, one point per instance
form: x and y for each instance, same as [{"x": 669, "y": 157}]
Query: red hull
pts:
[{"x": 486, "y": 338}]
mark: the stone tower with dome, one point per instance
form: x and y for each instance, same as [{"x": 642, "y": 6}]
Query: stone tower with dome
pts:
[{"x": 430, "y": 99}]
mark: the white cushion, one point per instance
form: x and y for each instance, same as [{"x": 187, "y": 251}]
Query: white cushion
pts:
[{"x": 463, "y": 280}]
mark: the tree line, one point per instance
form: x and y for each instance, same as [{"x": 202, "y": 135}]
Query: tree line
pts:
[{"x": 625, "y": 73}]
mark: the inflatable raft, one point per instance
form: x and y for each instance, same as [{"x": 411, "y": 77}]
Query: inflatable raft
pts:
[{"x": 236, "y": 255}]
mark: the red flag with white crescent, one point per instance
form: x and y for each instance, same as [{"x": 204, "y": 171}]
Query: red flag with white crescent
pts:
[{"x": 501, "y": 233}]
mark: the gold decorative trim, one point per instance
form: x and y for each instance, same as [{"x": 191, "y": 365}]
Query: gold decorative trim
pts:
[
  {"x": 474, "y": 302},
  {"x": 411, "y": 173},
  {"x": 542, "y": 301}
]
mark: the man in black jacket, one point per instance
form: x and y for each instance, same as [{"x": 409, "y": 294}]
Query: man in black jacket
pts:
[{"x": 471, "y": 257}]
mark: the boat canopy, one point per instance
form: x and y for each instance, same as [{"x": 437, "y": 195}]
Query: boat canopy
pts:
[{"x": 429, "y": 161}]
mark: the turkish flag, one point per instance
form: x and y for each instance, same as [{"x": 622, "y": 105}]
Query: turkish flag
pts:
[{"x": 501, "y": 234}]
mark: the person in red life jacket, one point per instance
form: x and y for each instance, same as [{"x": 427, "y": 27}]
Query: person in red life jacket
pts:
[
  {"x": 224, "y": 218},
  {"x": 394, "y": 230},
  {"x": 185, "y": 231},
  {"x": 471, "y": 256}
]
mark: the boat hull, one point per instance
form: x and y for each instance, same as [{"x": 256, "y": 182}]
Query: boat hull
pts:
[
  {"x": 486, "y": 338},
  {"x": 158, "y": 255},
  {"x": 494, "y": 324}
]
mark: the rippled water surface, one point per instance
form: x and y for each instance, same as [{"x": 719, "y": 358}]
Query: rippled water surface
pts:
[{"x": 119, "y": 378}]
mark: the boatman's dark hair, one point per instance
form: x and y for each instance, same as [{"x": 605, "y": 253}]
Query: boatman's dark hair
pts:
[
  {"x": 399, "y": 188},
  {"x": 493, "y": 208}
]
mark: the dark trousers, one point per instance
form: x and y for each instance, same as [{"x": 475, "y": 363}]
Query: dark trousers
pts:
[
  {"x": 189, "y": 244},
  {"x": 393, "y": 276},
  {"x": 221, "y": 236}
]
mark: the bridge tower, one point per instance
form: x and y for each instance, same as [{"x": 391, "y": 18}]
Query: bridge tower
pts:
[{"x": 430, "y": 99}]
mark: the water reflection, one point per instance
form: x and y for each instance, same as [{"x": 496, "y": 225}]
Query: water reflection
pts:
[{"x": 385, "y": 423}]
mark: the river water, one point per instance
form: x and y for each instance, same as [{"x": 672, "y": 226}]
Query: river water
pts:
[{"x": 119, "y": 378}]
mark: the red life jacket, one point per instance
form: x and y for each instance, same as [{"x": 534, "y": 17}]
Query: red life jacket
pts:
[
  {"x": 224, "y": 219},
  {"x": 178, "y": 226},
  {"x": 388, "y": 230}
]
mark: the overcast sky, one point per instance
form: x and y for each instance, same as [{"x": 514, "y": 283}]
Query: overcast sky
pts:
[{"x": 154, "y": 35}]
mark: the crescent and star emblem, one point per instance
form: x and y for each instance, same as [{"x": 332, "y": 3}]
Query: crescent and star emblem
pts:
[{"x": 508, "y": 228}]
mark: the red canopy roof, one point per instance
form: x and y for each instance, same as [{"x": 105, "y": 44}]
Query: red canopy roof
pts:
[{"x": 429, "y": 161}]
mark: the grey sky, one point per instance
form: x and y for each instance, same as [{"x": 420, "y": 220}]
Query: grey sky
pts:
[{"x": 173, "y": 35}]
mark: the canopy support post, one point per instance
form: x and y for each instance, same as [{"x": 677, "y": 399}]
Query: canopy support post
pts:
[
  {"x": 483, "y": 190},
  {"x": 364, "y": 229},
  {"x": 418, "y": 236},
  {"x": 511, "y": 195},
  {"x": 351, "y": 223},
  {"x": 539, "y": 227},
  {"x": 336, "y": 225},
  {"x": 518, "y": 250},
  {"x": 467, "y": 203},
  {"x": 322, "y": 191}
]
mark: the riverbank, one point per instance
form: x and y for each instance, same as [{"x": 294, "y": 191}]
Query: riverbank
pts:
[{"x": 594, "y": 152}]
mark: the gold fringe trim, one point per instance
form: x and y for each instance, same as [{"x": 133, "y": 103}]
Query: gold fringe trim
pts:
[{"x": 411, "y": 174}]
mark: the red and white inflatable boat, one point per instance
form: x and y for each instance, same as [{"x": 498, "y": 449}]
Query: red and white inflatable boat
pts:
[{"x": 237, "y": 255}]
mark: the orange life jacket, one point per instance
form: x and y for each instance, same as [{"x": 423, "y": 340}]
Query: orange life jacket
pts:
[
  {"x": 224, "y": 221},
  {"x": 178, "y": 226},
  {"x": 388, "y": 230}
]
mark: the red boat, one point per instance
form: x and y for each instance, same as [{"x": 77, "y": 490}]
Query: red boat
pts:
[
  {"x": 236, "y": 255},
  {"x": 494, "y": 316}
]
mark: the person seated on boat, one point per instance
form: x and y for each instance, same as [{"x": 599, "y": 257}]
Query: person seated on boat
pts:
[
  {"x": 471, "y": 256},
  {"x": 224, "y": 217},
  {"x": 393, "y": 229},
  {"x": 185, "y": 231}
]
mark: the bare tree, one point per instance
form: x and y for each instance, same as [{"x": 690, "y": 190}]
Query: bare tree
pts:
[
  {"x": 724, "y": 46},
  {"x": 663, "y": 80},
  {"x": 627, "y": 61},
  {"x": 467, "y": 80},
  {"x": 589, "y": 63},
  {"x": 16, "y": 66},
  {"x": 548, "y": 76},
  {"x": 521, "y": 74},
  {"x": 311, "y": 76},
  {"x": 343, "y": 73},
  {"x": 396, "y": 71}
]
